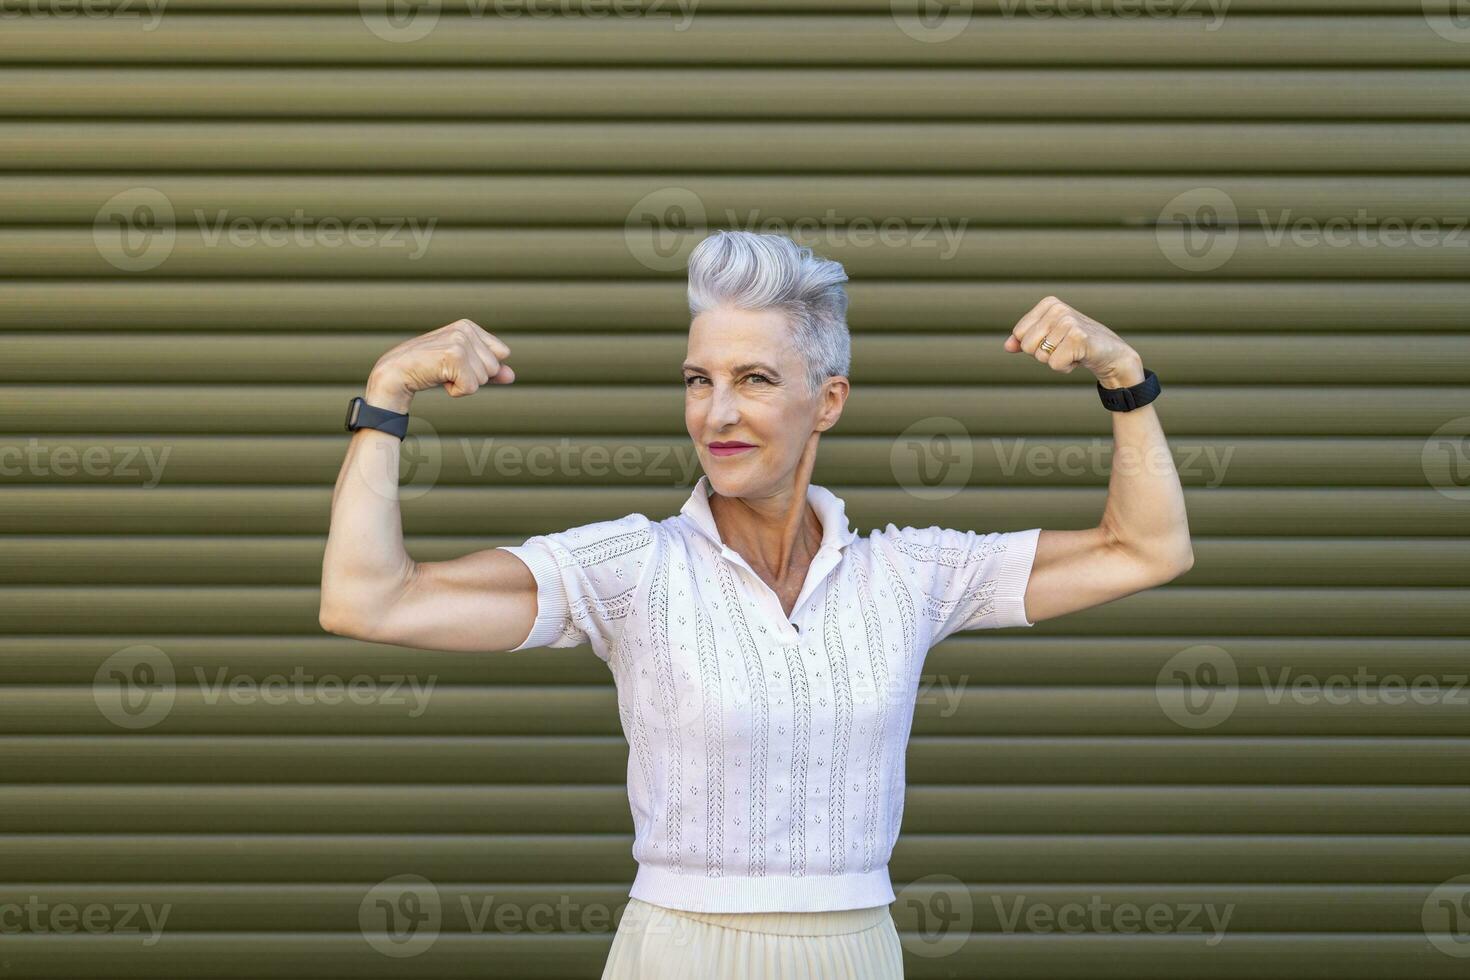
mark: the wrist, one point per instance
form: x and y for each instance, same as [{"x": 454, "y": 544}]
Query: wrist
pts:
[
  {"x": 1123, "y": 375},
  {"x": 383, "y": 391}
]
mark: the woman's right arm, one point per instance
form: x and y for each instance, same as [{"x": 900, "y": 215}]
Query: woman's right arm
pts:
[{"x": 371, "y": 588}]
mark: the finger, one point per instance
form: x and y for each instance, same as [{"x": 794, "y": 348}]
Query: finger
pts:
[
  {"x": 1033, "y": 316},
  {"x": 494, "y": 343},
  {"x": 463, "y": 379},
  {"x": 467, "y": 347},
  {"x": 1066, "y": 354},
  {"x": 1058, "y": 342},
  {"x": 491, "y": 350},
  {"x": 481, "y": 357},
  {"x": 500, "y": 347},
  {"x": 471, "y": 330},
  {"x": 466, "y": 369},
  {"x": 1042, "y": 329},
  {"x": 1061, "y": 322}
]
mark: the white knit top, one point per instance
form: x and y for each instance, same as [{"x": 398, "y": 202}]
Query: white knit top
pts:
[{"x": 766, "y": 754}]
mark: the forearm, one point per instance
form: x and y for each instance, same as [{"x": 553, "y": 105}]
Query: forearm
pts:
[
  {"x": 1144, "y": 512},
  {"x": 365, "y": 563}
]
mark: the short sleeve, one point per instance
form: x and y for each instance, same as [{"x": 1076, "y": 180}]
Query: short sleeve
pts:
[
  {"x": 586, "y": 579},
  {"x": 967, "y": 580}
]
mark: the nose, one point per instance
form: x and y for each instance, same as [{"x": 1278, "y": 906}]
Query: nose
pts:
[{"x": 724, "y": 408}]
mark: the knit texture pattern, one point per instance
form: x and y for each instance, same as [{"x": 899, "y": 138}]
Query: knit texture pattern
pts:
[{"x": 766, "y": 752}]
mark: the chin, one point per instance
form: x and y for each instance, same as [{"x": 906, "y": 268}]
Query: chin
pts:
[
  {"x": 731, "y": 479},
  {"x": 721, "y": 474}
]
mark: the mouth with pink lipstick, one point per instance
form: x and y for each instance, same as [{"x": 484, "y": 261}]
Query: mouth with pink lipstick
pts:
[{"x": 729, "y": 448}]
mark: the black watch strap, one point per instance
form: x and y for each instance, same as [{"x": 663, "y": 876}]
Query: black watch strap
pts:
[
  {"x": 1127, "y": 399},
  {"x": 361, "y": 415}
]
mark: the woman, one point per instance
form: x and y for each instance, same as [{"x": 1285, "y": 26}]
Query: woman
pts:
[{"x": 766, "y": 655}]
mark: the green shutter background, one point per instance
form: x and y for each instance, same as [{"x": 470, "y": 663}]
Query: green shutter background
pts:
[{"x": 1317, "y": 399}]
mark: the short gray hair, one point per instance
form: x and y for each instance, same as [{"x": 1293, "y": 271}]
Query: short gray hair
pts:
[{"x": 746, "y": 271}]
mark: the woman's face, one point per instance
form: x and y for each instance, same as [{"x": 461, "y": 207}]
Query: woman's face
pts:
[{"x": 745, "y": 382}]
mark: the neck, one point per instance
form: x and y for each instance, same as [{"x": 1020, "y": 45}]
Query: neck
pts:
[{"x": 773, "y": 531}]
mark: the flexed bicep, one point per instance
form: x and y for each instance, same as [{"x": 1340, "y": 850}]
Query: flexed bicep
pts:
[{"x": 1075, "y": 570}]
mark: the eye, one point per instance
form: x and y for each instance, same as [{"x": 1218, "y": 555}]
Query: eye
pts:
[
  {"x": 761, "y": 376},
  {"x": 689, "y": 380}
]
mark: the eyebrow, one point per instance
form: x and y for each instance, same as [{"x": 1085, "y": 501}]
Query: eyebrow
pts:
[{"x": 739, "y": 368}]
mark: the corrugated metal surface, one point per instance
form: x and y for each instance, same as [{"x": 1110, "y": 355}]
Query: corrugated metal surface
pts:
[{"x": 183, "y": 795}]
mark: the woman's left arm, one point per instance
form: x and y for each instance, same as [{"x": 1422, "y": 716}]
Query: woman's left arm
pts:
[{"x": 1143, "y": 538}]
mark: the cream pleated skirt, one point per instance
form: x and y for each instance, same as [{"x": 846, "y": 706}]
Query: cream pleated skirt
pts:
[{"x": 657, "y": 943}]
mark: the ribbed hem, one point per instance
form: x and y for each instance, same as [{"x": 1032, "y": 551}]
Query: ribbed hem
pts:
[
  {"x": 772, "y": 893},
  {"x": 551, "y": 594},
  {"x": 1015, "y": 572}
]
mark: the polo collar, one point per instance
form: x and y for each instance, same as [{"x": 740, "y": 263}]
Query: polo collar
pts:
[{"x": 830, "y": 508}]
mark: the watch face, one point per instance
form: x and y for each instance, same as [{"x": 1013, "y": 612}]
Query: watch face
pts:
[{"x": 352, "y": 409}]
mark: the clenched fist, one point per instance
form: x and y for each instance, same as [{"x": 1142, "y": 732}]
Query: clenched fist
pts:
[
  {"x": 461, "y": 356},
  {"x": 1072, "y": 338}
]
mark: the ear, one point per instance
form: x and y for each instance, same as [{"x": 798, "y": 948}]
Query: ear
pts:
[{"x": 833, "y": 397}]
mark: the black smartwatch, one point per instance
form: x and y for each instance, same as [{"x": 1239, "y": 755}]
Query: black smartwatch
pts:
[
  {"x": 1127, "y": 399},
  {"x": 361, "y": 415}
]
